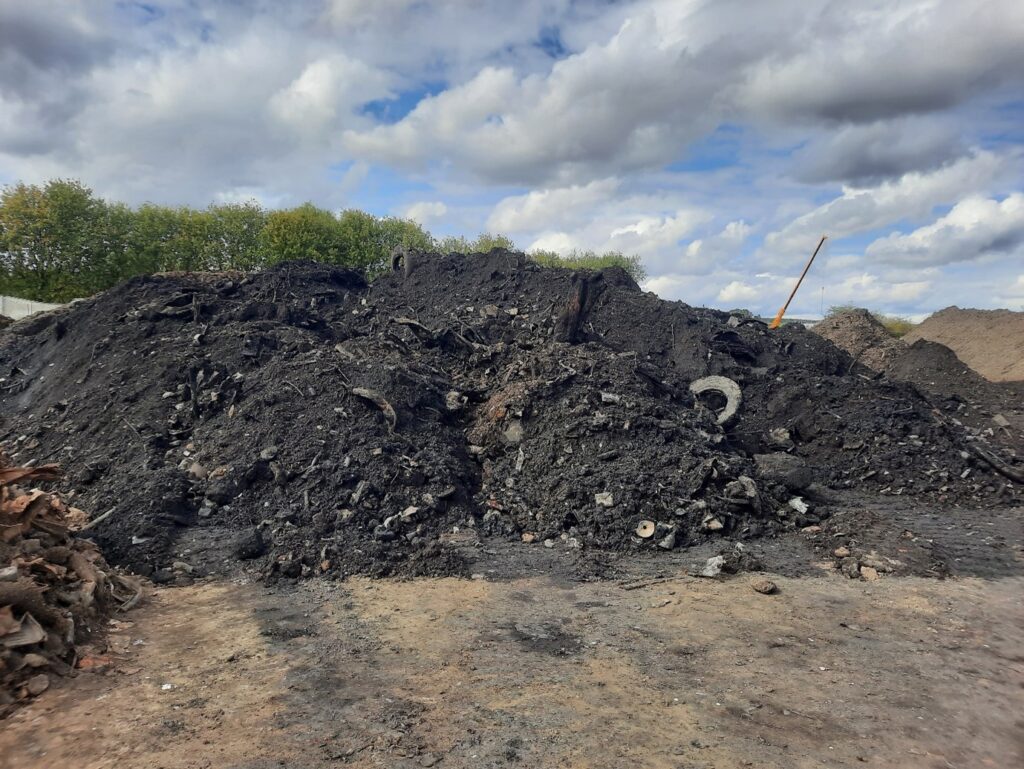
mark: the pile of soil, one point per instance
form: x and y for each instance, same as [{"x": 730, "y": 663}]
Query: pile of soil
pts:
[
  {"x": 56, "y": 590},
  {"x": 950, "y": 385},
  {"x": 859, "y": 333},
  {"x": 989, "y": 341},
  {"x": 342, "y": 427}
]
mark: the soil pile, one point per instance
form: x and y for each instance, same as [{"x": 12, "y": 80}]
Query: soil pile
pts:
[
  {"x": 860, "y": 334},
  {"x": 55, "y": 589},
  {"x": 989, "y": 341},
  {"x": 995, "y": 409},
  {"x": 342, "y": 427}
]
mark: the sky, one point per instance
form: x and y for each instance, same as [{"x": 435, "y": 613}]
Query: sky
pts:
[{"x": 718, "y": 140}]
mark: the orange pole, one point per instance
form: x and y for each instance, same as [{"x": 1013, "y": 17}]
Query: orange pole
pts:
[{"x": 778, "y": 318}]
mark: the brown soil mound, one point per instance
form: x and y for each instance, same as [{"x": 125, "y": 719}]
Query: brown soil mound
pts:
[
  {"x": 860, "y": 334},
  {"x": 989, "y": 341}
]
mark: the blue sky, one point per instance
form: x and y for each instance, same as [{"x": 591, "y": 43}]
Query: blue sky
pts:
[{"x": 717, "y": 140}]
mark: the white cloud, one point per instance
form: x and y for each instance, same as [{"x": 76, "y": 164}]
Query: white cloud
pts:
[
  {"x": 973, "y": 228},
  {"x": 425, "y": 211},
  {"x": 913, "y": 195},
  {"x": 737, "y": 292},
  {"x": 544, "y": 208},
  {"x": 1011, "y": 296}
]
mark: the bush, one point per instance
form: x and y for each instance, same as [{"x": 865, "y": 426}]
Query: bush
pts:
[{"x": 591, "y": 260}]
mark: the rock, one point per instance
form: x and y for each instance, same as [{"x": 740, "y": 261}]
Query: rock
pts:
[
  {"x": 162, "y": 576},
  {"x": 429, "y": 759},
  {"x": 841, "y": 552},
  {"x": 1001, "y": 421},
  {"x": 610, "y": 397},
  {"x": 250, "y": 545},
  {"x": 549, "y": 543},
  {"x": 36, "y": 685},
  {"x": 604, "y": 499},
  {"x": 35, "y": 660},
  {"x": 796, "y": 503},
  {"x": 868, "y": 573},
  {"x": 668, "y": 542},
  {"x": 270, "y": 452},
  {"x": 713, "y": 524},
  {"x": 779, "y": 467},
  {"x": 528, "y": 537},
  {"x": 850, "y": 568},
  {"x": 221, "y": 491},
  {"x": 513, "y": 434},
  {"x": 9, "y": 574},
  {"x": 197, "y": 471},
  {"x": 712, "y": 567},
  {"x": 182, "y": 567},
  {"x": 811, "y": 529},
  {"x": 764, "y": 586}
]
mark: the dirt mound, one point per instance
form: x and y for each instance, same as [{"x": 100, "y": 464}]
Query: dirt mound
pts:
[
  {"x": 989, "y": 341},
  {"x": 338, "y": 427},
  {"x": 860, "y": 334}
]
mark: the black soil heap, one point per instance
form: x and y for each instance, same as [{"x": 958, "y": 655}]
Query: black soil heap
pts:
[{"x": 340, "y": 427}]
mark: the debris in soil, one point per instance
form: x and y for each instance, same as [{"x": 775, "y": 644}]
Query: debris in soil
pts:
[
  {"x": 55, "y": 589},
  {"x": 338, "y": 427}
]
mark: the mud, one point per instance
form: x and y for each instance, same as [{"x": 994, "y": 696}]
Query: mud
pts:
[{"x": 310, "y": 423}]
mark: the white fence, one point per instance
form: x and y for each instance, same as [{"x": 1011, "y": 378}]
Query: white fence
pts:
[{"x": 16, "y": 308}]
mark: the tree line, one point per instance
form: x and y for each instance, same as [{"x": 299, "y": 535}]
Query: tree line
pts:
[{"x": 59, "y": 241}]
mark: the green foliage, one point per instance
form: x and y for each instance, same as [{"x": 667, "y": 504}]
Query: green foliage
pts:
[
  {"x": 591, "y": 260},
  {"x": 896, "y": 325},
  {"x": 483, "y": 244},
  {"x": 59, "y": 241}
]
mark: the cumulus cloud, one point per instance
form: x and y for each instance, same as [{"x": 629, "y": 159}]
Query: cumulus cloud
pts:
[
  {"x": 544, "y": 208},
  {"x": 912, "y": 195},
  {"x": 974, "y": 228},
  {"x": 425, "y": 211},
  {"x": 674, "y": 69},
  {"x": 864, "y": 155}
]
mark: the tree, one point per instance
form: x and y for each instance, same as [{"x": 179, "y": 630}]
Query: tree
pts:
[
  {"x": 306, "y": 232},
  {"x": 50, "y": 238}
]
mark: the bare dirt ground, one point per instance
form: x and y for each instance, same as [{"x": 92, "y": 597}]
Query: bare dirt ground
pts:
[{"x": 651, "y": 668}]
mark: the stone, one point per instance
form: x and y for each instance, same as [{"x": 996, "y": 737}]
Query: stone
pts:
[
  {"x": 528, "y": 537},
  {"x": 197, "y": 471},
  {"x": 270, "y": 452},
  {"x": 841, "y": 552},
  {"x": 36, "y": 685},
  {"x": 35, "y": 660},
  {"x": 764, "y": 586},
  {"x": 850, "y": 568},
  {"x": 869, "y": 574},
  {"x": 604, "y": 499},
  {"x": 712, "y": 567},
  {"x": 250, "y": 545},
  {"x": 786, "y": 469}
]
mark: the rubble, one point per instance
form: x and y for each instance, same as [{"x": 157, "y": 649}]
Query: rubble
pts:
[
  {"x": 56, "y": 589},
  {"x": 299, "y": 414}
]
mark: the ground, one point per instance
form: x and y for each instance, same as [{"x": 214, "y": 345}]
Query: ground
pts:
[{"x": 649, "y": 668}]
